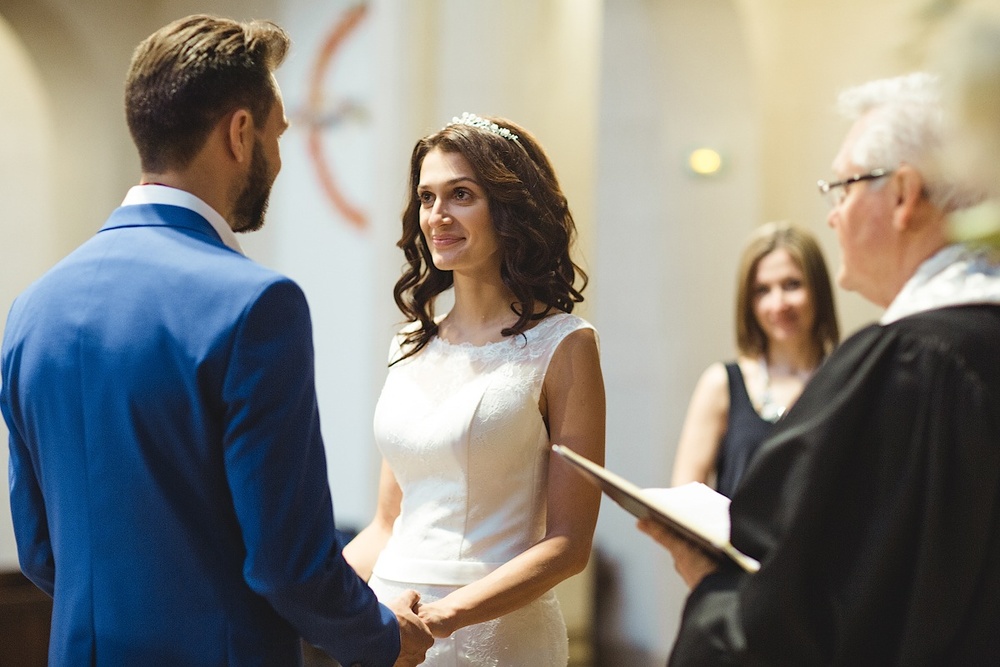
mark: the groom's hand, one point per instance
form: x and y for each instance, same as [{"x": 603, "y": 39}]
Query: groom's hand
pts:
[{"x": 414, "y": 636}]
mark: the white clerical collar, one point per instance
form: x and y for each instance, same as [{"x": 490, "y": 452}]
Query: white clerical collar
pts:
[
  {"x": 162, "y": 194},
  {"x": 956, "y": 275}
]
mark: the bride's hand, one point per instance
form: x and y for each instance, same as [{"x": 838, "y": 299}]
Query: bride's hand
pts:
[{"x": 438, "y": 618}]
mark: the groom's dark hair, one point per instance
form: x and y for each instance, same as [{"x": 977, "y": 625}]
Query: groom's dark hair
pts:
[{"x": 187, "y": 75}]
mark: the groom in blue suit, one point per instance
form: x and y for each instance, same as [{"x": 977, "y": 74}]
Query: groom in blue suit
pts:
[{"x": 168, "y": 479}]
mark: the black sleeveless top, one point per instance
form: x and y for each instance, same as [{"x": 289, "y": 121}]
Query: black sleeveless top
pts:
[{"x": 745, "y": 431}]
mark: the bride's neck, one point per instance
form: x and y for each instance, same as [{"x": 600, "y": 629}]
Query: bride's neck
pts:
[{"x": 479, "y": 314}]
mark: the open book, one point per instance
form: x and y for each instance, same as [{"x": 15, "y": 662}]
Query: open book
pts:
[{"x": 694, "y": 510}]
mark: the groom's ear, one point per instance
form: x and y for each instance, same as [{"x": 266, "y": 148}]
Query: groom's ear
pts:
[{"x": 240, "y": 135}]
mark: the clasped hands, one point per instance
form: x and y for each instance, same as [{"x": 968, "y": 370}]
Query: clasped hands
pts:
[
  {"x": 436, "y": 618},
  {"x": 419, "y": 624},
  {"x": 414, "y": 635}
]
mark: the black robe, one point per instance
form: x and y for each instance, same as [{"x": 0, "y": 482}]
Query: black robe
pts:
[{"x": 874, "y": 508}]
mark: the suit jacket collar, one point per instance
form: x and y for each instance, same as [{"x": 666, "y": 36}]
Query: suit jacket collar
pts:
[
  {"x": 163, "y": 215},
  {"x": 154, "y": 193}
]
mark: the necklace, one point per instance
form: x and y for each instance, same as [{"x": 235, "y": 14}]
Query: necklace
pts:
[{"x": 770, "y": 410}]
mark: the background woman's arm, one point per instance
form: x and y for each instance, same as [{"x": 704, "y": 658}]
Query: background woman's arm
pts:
[{"x": 704, "y": 426}]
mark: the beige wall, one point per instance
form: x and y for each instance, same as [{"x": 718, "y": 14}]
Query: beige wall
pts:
[
  {"x": 26, "y": 235},
  {"x": 65, "y": 155},
  {"x": 675, "y": 76},
  {"x": 801, "y": 54},
  {"x": 80, "y": 64}
]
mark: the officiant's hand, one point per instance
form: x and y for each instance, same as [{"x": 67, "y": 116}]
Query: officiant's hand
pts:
[
  {"x": 691, "y": 562},
  {"x": 414, "y": 635}
]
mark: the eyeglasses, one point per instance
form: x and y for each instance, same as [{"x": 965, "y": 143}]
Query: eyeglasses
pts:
[{"x": 836, "y": 191}]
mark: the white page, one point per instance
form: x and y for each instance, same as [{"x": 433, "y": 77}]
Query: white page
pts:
[{"x": 696, "y": 505}]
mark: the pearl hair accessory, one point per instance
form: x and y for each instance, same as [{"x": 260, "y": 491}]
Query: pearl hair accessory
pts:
[{"x": 473, "y": 120}]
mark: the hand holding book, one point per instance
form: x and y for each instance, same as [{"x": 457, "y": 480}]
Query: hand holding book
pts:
[
  {"x": 692, "y": 562},
  {"x": 694, "y": 511}
]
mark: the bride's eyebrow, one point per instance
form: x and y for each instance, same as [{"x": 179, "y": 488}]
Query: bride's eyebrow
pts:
[{"x": 453, "y": 181}]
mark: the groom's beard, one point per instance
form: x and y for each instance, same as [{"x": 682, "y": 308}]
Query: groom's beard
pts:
[{"x": 251, "y": 204}]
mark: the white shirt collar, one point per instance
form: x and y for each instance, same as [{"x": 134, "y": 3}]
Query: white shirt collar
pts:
[
  {"x": 956, "y": 275},
  {"x": 162, "y": 194}
]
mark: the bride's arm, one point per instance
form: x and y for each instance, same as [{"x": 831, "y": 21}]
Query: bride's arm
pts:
[
  {"x": 573, "y": 405},
  {"x": 364, "y": 549}
]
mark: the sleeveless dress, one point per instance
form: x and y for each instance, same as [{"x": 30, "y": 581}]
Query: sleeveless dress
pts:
[
  {"x": 460, "y": 427},
  {"x": 745, "y": 431}
]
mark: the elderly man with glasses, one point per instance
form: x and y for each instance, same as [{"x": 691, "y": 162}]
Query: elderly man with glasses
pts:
[{"x": 874, "y": 507}]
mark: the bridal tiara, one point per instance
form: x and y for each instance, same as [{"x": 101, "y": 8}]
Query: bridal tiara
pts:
[{"x": 473, "y": 120}]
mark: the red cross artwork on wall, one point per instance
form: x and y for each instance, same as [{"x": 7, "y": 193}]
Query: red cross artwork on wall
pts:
[{"x": 327, "y": 109}]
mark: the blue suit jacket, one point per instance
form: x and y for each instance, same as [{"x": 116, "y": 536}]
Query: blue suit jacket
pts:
[{"x": 168, "y": 478}]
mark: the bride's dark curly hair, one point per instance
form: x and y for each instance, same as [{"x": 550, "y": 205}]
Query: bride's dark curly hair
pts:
[{"x": 531, "y": 217}]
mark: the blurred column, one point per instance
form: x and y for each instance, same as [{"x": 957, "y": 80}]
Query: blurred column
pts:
[
  {"x": 674, "y": 79},
  {"x": 27, "y": 161}
]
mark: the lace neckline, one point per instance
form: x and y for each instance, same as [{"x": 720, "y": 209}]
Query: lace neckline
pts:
[{"x": 526, "y": 336}]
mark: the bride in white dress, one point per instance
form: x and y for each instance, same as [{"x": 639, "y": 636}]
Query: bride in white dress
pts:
[{"x": 473, "y": 512}]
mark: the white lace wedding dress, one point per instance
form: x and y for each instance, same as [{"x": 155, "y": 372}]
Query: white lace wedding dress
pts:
[{"x": 460, "y": 427}]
